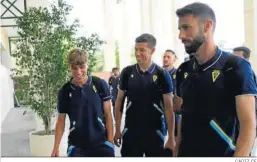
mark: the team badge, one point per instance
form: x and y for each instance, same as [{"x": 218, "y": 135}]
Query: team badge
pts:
[
  {"x": 155, "y": 78},
  {"x": 185, "y": 75},
  {"x": 215, "y": 75},
  {"x": 94, "y": 89}
]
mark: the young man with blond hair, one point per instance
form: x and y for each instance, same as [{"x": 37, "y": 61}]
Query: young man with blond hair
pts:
[{"x": 87, "y": 102}]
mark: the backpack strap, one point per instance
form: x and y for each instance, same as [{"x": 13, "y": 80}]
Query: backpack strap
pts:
[
  {"x": 160, "y": 74},
  {"x": 255, "y": 78},
  {"x": 127, "y": 73},
  {"x": 230, "y": 63},
  {"x": 66, "y": 94},
  {"x": 97, "y": 86},
  {"x": 229, "y": 71},
  {"x": 66, "y": 89}
]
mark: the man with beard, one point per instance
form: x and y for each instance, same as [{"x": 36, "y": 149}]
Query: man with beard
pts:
[
  {"x": 218, "y": 108},
  {"x": 245, "y": 53},
  {"x": 169, "y": 59},
  {"x": 148, "y": 89}
]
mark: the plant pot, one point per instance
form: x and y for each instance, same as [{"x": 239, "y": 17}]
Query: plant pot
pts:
[{"x": 41, "y": 145}]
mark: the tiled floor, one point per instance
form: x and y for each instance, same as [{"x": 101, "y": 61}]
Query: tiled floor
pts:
[{"x": 15, "y": 133}]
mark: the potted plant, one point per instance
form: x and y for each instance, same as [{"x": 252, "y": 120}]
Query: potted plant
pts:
[{"x": 40, "y": 54}]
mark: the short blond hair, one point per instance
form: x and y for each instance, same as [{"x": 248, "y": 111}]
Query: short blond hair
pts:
[{"x": 77, "y": 56}]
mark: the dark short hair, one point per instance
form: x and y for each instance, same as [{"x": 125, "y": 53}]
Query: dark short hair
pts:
[
  {"x": 171, "y": 51},
  {"x": 115, "y": 68},
  {"x": 246, "y": 51},
  {"x": 147, "y": 38},
  {"x": 197, "y": 9}
]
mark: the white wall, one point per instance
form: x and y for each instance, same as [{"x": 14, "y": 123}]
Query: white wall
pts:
[
  {"x": 250, "y": 15},
  {"x": 130, "y": 29},
  {"x": 6, "y": 92},
  {"x": 6, "y": 83},
  {"x": 149, "y": 16},
  {"x": 6, "y": 60}
]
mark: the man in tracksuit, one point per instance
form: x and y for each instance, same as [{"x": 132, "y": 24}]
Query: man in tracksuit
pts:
[
  {"x": 148, "y": 89},
  {"x": 217, "y": 89},
  {"x": 86, "y": 100},
  {"x": 114, "y": 83},
  {"x": 169, "y": 59},
  {"x": 245, "y": 53}
]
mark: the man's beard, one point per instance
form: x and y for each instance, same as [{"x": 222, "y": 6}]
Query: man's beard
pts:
[
  {"x": 195, "y": 45},
  {"x": 165, "y": 65},
  {"x": 168, "y": 65}
]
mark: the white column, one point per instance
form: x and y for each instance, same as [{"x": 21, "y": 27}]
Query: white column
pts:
[
  {"x": 109, "y": 47},
  {"x": 155, "y": 21},
  {"x": 164, "y": 27},
  {"x": 159, "y": 18},
  {"x": 167, "y": 25},
  {"x": 250, "y": 16},
  {"x": 179, "y": 47},
  {"x": 4, "y": 39},
  {"x": 124, "y": 40},
  {"x": 146, "y": 16},
  {"x": 156, "y": 25}
]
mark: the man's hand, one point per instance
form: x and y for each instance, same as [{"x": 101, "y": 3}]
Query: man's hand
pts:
[
  {"x": 170, "y": 144},
  {"x": 109, "y": 120},
  {"x": 118, "y": 116},
  {"x": 178, "y": 138},
  {"x": 111, "y": 141},
  {"x": 176, "y": 149},
  {"x": 170, "y": 120},
  {"x": 59, "y": 129},
  {"x": 117, "y": 138},
  {"x": 55, "y": 153},
  {"x": 177, "y": 102}
]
